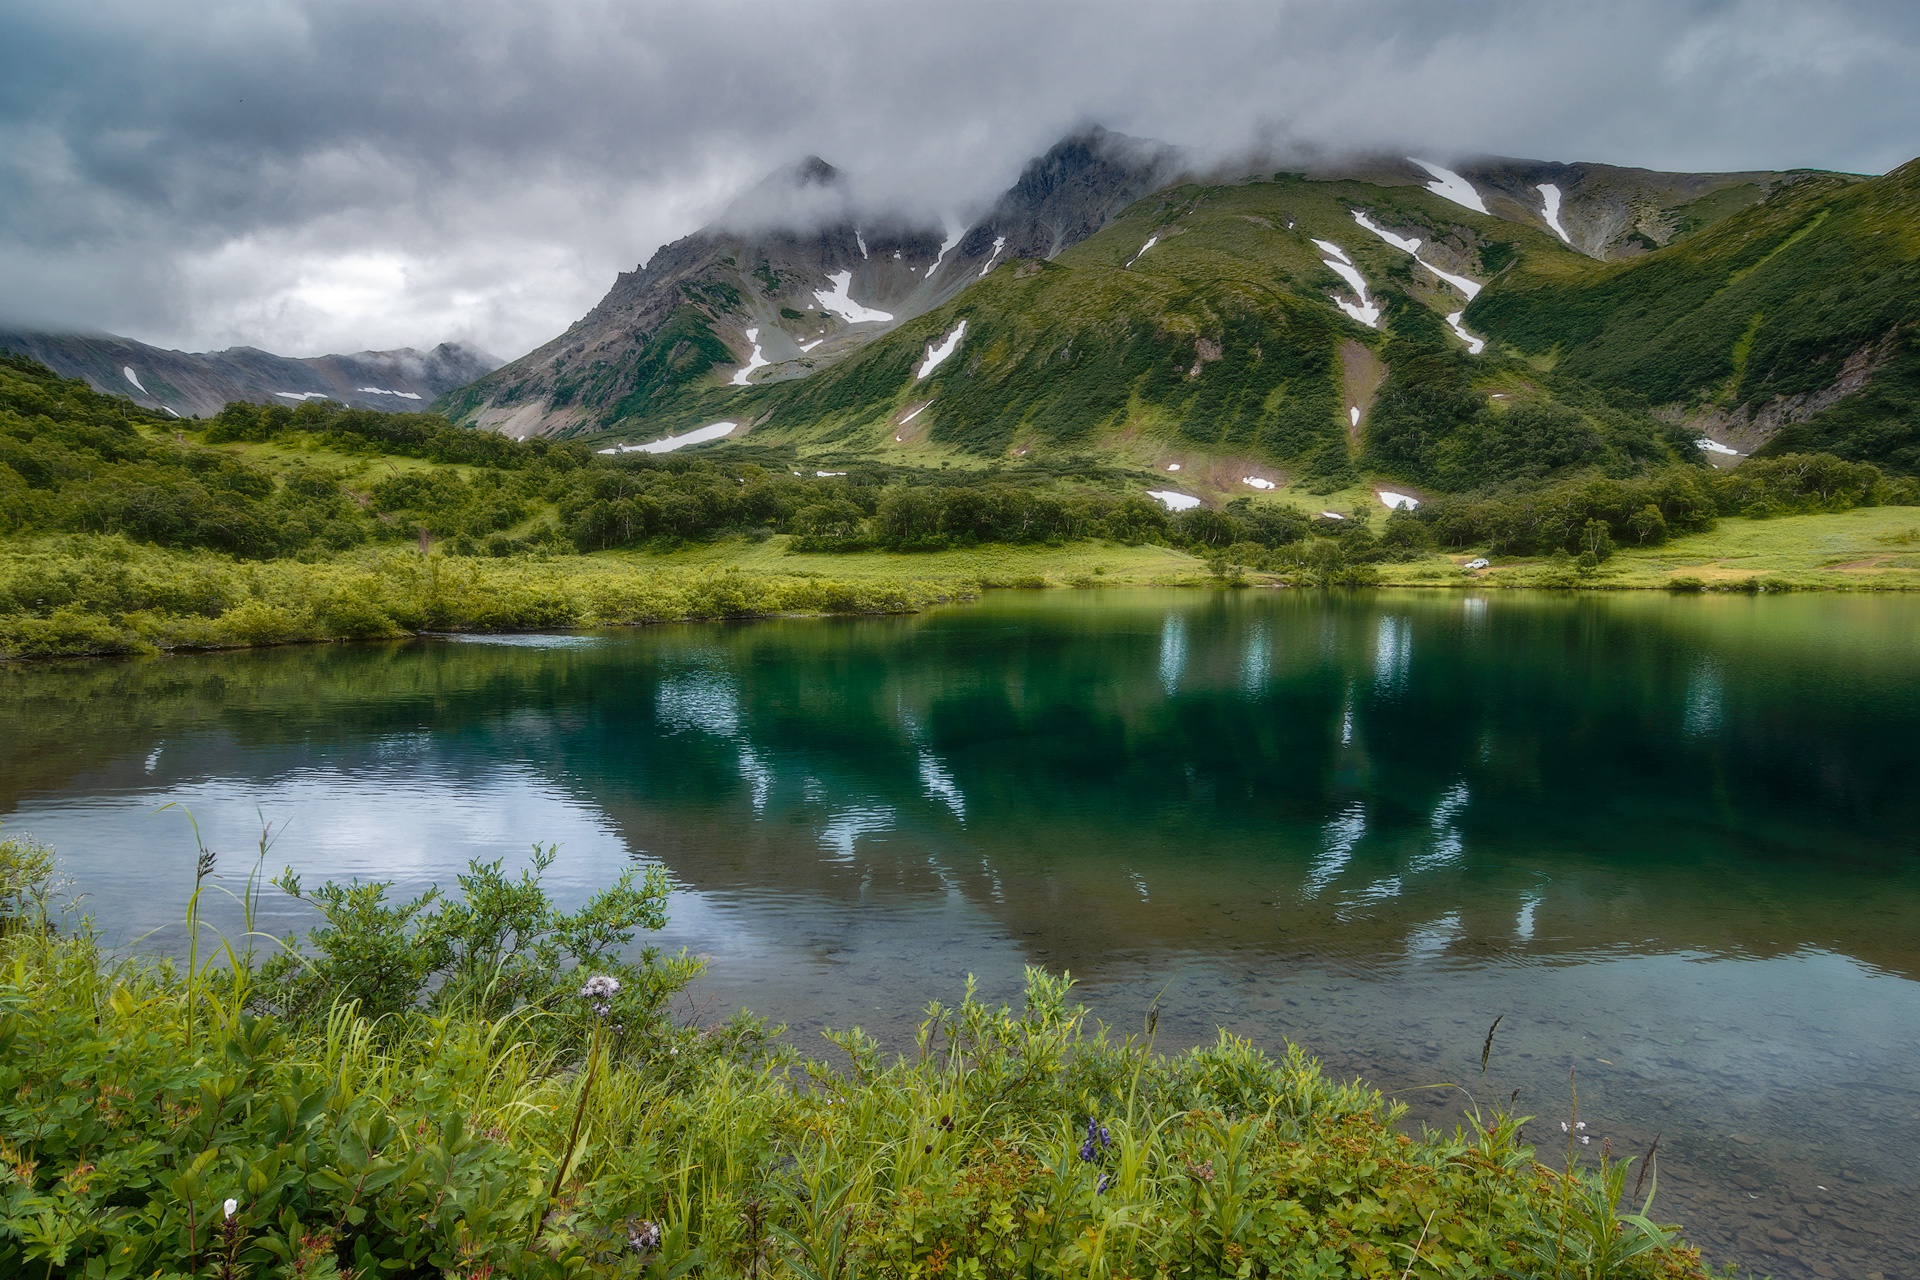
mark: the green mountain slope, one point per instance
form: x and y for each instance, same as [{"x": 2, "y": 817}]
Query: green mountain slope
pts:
[
  {"x": 1787, "y": 324},
  {"x": 1226, "y": 337}
]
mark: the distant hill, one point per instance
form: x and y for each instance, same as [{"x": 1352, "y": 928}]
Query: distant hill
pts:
[{"x": 188, "y": 384}]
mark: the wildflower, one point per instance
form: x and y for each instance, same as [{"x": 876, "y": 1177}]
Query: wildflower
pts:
[
  {"x": 1098, "y": 1139},
  {"x": 643, "y": 1237},
  {"x": 600, "y": 989},
  {"x": 232, "y": 1207},
  {"x": 1101, "y": 1185}
]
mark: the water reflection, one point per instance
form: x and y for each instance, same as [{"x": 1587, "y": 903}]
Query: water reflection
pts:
[{"x": 1672, "y": 840}]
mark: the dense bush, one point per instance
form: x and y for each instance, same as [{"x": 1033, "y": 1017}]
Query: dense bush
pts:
[
  {"x": 153, "y": 1122},
  {"x": 1646, "y": 510}
]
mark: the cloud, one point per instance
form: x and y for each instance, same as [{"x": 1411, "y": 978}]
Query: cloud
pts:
[{"x": 310, "y": 175}]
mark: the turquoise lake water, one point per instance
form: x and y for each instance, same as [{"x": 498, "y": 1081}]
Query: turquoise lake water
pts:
[{"x": 1673, "y": 842}]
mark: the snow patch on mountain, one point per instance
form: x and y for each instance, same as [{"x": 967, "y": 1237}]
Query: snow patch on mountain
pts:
[
  {"x": 946, "y": 247},
  {"x": 999, "y": 243},
  {"x": 1401, "y": 243},
  {"x": 1399, "y": 501},
  {"x": 382, "y": 391},
  {"x": 754, "y": 361},
  {"x": 1449, "y": 185},
  {"x": 667, "y": 444},
  {"x": 301, "y": 395},
  {"x": 937, "y": 352},
  {"x": 1550, "y": 196},
  {"x": 1405, "y": 245},
  {"x": 134, "y": 378},
  {"x": 1152, "y": 240},
  {"x": 841, "y": 304},
  {"x": 1474, "y": 345},
  {"x": 1341, "y": 265},
  {"x": 861, "y": 241}
]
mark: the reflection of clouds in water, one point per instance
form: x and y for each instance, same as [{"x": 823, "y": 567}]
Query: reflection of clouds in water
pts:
[
  {"x": 1392, "y": 651},
  {"x": 1173, "y": 652},
  {"x": 1257, "y": 662},
  {"x": 847, "y": 826},
  {"x": 1448, "y": 844},
  {"x": 1706, "y": 699},
  {"x": 1342, "y": 834},
  {"x": 940, "y": 785},
  {"x": 702, "y": 700},
  {"x": 411, "y": 821}
]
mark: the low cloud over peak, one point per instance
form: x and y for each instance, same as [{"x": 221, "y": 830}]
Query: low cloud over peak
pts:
[{"x": 312, "y": 176}]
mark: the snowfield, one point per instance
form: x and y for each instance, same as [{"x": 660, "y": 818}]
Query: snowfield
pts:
[
  {"x": 382, "y": 391},
  {"x": 1174, "y": 501},
  {"x": 667, "y": 444},
  {"x": 754, "y": 361},
  {"x": 916, "y": 413},
  {"x": 1550, "y": 195},
  {"x": 1152, "y": 240},
  {"x": 1258, "y": 482},
  {"x": 1449, "y": 185},
  {"x": 1474, "y": 345},
  {"x": 301, "y": 395},
  {"x": 1353, "y": 415},
  {"x": 134, "y": 378},
  {"x": 937, "y": 353},
  {"x": 841, "y": 304},
  {"x": 1399, "y": 501},
  {"x": 1714, "y": 446}
]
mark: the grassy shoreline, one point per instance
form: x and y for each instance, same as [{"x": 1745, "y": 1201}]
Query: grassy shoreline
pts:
[
  {"x": 94, "y": 595},
  {"x": 431, "y": 1089}
]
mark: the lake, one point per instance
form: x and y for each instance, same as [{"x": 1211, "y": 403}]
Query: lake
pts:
[{"x": 1672, "y": 842}]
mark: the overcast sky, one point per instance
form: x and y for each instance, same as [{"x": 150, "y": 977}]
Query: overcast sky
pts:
[{"x": 330, "y": 175}]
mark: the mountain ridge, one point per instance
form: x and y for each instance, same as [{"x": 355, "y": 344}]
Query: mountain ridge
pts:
[{"x": 199, "y": 384}]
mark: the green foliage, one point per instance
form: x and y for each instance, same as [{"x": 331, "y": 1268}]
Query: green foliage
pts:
[
  {"x": 1011, "y": 1143},
  {"x": 73, "y": 596},
  {"x": 1590, "y": 516},
  {"x": 500, "y": 947},
  {"x": 1879, "y": 424},
  {"x": 1771, "y": 302}
]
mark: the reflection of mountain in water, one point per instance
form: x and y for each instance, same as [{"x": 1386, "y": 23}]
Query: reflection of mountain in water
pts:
[{"x": 1378, "y": 779}]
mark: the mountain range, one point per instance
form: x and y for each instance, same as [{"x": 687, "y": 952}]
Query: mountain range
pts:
[
  {"x": 187, "y": 384},
  {"x": 1440, "y": 324},
  {"x": 1323, "y": 316}
]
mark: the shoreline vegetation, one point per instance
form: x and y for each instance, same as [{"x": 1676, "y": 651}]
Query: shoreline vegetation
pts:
[
  {"x": 125, "y": 532},
  {"x": 479, "y": 1084}
]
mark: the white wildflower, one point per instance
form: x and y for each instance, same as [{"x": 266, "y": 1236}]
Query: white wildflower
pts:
[{"x": 232, "y": 1207}]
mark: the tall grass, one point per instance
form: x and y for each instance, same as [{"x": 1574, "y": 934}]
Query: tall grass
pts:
[{"x": 556, "y": 1138}]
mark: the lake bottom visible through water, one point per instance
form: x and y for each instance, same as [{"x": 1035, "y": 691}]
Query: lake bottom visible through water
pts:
[{"x": 1668, "y": 842}]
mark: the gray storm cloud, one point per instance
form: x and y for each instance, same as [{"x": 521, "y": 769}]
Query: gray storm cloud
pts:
[{"x": 313, "y": 175}]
